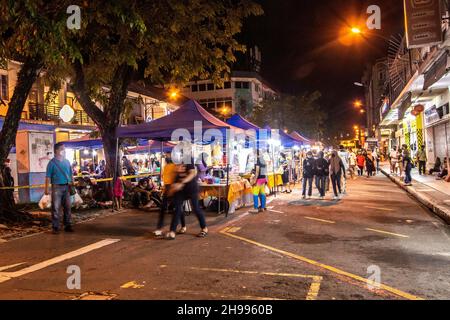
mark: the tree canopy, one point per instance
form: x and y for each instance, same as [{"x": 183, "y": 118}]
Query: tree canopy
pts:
[{"x": 300, "y": 113}]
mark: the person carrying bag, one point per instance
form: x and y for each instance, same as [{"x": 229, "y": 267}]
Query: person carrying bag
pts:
[{"x": 59, "y": 175}]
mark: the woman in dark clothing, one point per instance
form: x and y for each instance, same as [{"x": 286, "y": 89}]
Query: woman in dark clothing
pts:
[{"x": 370, "y": 164}]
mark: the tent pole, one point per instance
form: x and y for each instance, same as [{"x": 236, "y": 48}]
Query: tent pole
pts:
[
  {"x": 161, "y": 164},
  {"x": 115, "y": 177}
]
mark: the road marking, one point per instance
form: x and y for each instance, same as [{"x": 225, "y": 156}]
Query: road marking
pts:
[
  {"x": 378, "y": 208},
  {"x": 271, "y": 210},
  {"x": 234, "y": 229},
  {"x": 219, "y": 295},
  {"x": 132, "y": 285},
  {"x": 11, "y": 266},
  {"x": 385, "y": 232},
  {"x": 5, "y": 276},
  {"x": 326, "y": 267},
  {"x": 313, "y": 291},
  {"x": 320, "y": 220}
]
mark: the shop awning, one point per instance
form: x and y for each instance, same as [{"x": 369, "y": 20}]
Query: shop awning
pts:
[
  {"x": 186, "y": 117},
  {"x": 31, "y": 126}
]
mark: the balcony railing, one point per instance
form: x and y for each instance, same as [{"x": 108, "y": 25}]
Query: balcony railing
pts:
[{"x": 50, "y": 113}]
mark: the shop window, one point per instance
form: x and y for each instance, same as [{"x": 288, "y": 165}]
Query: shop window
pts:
[
  {"x": 4, "y": 87},
  {"x": 210, "y": 87},
  {"x": 202, "y": 87}
]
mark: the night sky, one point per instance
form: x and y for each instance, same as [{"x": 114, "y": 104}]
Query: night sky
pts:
[{"x": 301, "y": 51}]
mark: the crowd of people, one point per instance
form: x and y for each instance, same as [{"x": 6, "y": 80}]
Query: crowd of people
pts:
[{"x": 402, "y": 163}]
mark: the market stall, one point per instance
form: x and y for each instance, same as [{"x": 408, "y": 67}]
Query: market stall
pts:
[{"x": 196, "y": 132}]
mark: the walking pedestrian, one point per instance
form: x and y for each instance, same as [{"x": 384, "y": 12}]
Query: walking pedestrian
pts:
[
  {"x": 407, "y": 164},
  {"x": 259, "y": 184},
  {"x": 370, "y": 164},
  {"x": 169, "y": 175},
  {"x": 321, "y": 170},
  {"x": 352, "y": 166},
  {"x": 393, "y": 159},
  {"x": 186, "y": 188},
  {"x": 308, "y": 174},
  {"x": 284, "y": 166},
  {"x": 336, "y": 169},
  {"x": 345, "y": 157},
  {"x": 377, "y": 157},
  {"x": 360, "y": 161},
  {"x": 59, "y": 175},
  {"x": 422, "y": 160}
]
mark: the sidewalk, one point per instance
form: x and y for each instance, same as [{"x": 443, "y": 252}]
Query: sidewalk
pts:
[{"x": 434, "y": 194}]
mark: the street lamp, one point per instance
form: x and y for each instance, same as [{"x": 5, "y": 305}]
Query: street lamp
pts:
[
  {"x": 357, "y": 104},
  {"x": 173, "y": 94},
  {"x": 355, "y": 30}
]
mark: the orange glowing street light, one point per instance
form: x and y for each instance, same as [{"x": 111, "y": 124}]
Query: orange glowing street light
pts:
[
  {"x": 362, "y": 111},
  {"x": 356, "y": 30},
  {"x": 357, "y": 104},
  {"x": 173, "y": 94}
]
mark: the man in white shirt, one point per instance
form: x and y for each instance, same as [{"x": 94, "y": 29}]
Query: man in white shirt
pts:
[
  {"x": 345, "y": 157},
  {"x": 393, "y": 158}
]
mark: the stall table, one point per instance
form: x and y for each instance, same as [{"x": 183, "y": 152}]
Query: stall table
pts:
[{"x": 237, "y": 194}]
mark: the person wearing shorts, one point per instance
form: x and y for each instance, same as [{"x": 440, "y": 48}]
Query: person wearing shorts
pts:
[{"x": 259, "y": 187}]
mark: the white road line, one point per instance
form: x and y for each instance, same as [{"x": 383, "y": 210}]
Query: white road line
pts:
[
  {"x": 5, "y": 276},
  {"x": 271, "y": 210},
  {"x": 378, "y": 208},
  {"x": 320, "y": 220},
  {"x": 385, "y": 232}
]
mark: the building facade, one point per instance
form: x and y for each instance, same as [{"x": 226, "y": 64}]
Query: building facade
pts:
[
  {"x": 42, "y": 123},
  {"x": 414, "y": 105},
  {"x": 239, "y": 94}
]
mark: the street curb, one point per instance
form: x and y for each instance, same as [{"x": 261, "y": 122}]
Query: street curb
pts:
[{"x": 430, "y": 203}]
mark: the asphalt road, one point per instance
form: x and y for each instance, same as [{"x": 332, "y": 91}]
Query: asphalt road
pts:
[{"x": 297, "y": 250}]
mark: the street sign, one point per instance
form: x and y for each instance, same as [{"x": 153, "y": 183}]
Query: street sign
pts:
[{"x": 423, "y": 23}]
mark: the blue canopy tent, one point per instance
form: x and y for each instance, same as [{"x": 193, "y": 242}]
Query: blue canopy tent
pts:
[
  {"x": 262, "y": 135},
  {"x": 286, "y": 140}
]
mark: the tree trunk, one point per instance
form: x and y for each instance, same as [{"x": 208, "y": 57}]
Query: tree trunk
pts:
[{"x": 26, "y": 78}]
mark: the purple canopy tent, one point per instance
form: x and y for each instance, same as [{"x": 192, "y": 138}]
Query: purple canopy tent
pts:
[{"x": 183, "y": 118}]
